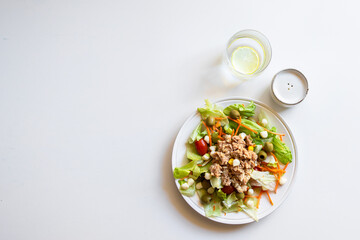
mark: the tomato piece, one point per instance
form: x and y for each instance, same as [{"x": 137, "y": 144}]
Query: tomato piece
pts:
[
  {"x": 228, "y": 189},
  {"x": 201, "y": 147}
]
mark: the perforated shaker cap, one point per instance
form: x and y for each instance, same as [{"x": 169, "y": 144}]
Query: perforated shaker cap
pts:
[{"x": 289, "y": 87}]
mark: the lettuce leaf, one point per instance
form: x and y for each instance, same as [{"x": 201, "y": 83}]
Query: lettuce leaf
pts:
[
  {"x": 213, "y": 209},
  {"x": 188, "y": 192},
  {"x": 234, "y": 208},
  {"x": 216, "y": 182},
  {"x": 252, "y": 125},
  {"x": 198, "y": 133},
  {"x": 205, "y": 168},
  {"x": 230, "y": 200},
  {"x": 221, "y": 195},
  {"x": 267, "y": 180},
  {"x": 281, "y": 151},
  {"x": 185, "y": 170},
  {"x": 212, "y": 110},
  {"x": 252, "y": 212},
  {"x": 262, "y": 115},
  {"x": 191, "y": 153},
  {"x": 247, "y": 111}
]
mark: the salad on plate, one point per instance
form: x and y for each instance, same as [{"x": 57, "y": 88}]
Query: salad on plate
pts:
[{"x": 235, "y": 158}]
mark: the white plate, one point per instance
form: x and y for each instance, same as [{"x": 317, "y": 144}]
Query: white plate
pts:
[{"x": 265, "y": 208}]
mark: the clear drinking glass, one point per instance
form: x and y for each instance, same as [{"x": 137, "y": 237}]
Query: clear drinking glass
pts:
[{"x": 248, "y": 53}]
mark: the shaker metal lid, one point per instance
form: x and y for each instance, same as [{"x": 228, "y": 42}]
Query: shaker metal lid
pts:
[{"x": 289, "y": 87}]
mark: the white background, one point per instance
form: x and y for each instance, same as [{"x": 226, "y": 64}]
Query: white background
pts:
[{"x": 93, "y": 93}]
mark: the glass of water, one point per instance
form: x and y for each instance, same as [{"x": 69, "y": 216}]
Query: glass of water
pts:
[{"x": 248, "y": 53}]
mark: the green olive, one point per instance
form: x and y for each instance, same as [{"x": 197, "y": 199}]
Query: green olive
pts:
[
  {"x": 210, "y": 121},
  {"x": 206, "y": 198},
  {"x": 201, "y": 192},
  {"x": 262, "y": 155},
  {"x": 268, "y": 147},
  {"x": 214, "y": 137},
  {"x": 205, "y": 184},
  {"x": 234, "y": 114},
  {"x": 240, "y": 195}
]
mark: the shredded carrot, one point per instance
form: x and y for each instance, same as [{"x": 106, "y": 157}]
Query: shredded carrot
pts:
[
  {"x": 184, "y": 177},
  {"x": 249, "y": 129},
  {"x": 214, "y": 208},
  {"x": 219, "y": 118},
  {"x": 249, "y": 196},
  {"x": 237, "y": 129},
  {"x": 280, "y": 134},
  {"x": 208, "y": 131},
  {"x": 218, "y": 124},
  {"x": 234, "y": 120},
  {"x": 281, "y": 138},
  {"x": 277, "y": 161},
  {"x": 232, "y": 133},
  {"x": 274, "y": 170},
  {"x": 286, "y": 166},
  {"x": 259, "y": 197},
  {"x": 224, "y": 213},
  {"x": 267, "y": 192}
]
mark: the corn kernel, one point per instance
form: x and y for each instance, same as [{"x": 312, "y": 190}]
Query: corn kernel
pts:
[
  {"x": 251, "y": 148},
  {"x": 231, "y": 161}
]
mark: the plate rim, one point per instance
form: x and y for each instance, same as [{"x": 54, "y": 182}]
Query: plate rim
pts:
[{"x": 293, "y": 178}]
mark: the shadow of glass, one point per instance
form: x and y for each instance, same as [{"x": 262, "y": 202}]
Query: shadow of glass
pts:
[{"x": 181, "y": 206}]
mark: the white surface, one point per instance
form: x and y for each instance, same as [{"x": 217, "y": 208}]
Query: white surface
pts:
[
  {"x": 93, "y": 93},
  {"x": 265, "y": 208}
]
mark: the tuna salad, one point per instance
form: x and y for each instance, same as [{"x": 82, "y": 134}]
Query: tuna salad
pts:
[{"x": 234, "y": 158}]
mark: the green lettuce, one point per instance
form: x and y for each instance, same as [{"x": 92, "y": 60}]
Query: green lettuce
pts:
[
  {"x": 205, "y": 168},
  {"x": 230, "y": 200},
  {"x": 191, "y": 153},
  {"x": 188, "y": 192},
  {"x": 252, "y": 125},
  {"x": 216, "y": 182},
  {"x": 281, "y": 151},
  {"x": 234, "y": 208},
  {"x": 213, "y": 209},
  {"x": 267, "y": 180},
  {"x": 251, "y": 212},
  {"x": 212, "y": 110},
  {"x": 262, "y": 115},
  {"x": 198, "y": 133},
  {"x": 185, "y": 170},
  {"x": 247, "y": 111},
  {"x": 221, "y": 195}
]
